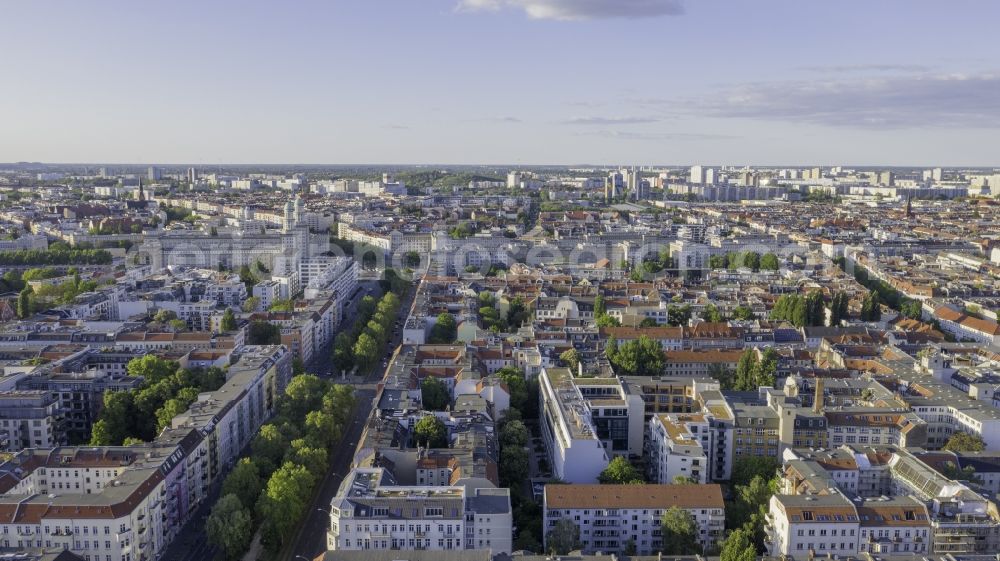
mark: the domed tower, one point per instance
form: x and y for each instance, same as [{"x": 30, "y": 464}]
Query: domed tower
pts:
[
  {"x": 300, "y": 211},
  {"x": 289, "y": 221}
]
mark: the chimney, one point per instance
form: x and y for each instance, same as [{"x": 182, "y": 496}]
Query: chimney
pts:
[{"x": 818, "y": 401}]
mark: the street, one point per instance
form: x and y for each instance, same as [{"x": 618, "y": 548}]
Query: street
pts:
[
  {"x": 191, "y": 543},
  {"x": 310, "y": 541}
]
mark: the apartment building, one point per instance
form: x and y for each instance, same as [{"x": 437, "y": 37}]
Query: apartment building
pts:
[
  {"x": 371, "y": 512},
  {"x": 614, "y": 518},
  {"x": 576, "y": 453},
  {"x": 678, "y": 446},
  {"x": 701, "y": 363},
  {"x": 30, "y": 419},
  {"x": 831, "y": 524},
  {"x": 128, "y": 503}
]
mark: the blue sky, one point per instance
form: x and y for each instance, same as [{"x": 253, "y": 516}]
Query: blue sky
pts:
[{"x": 896, "y": 82}]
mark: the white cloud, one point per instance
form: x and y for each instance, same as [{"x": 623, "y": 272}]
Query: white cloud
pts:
[
  {"x": 610, "y": 120},
  {"x": 892, "y": 102},
  {"x": 580, "y": 9}
]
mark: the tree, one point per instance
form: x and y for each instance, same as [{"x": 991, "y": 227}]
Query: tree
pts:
[
  {"x": 269, "y": 447},
  {"x": 170, "y": 409},
  {"x": 343, "y": 351},
  {"x": 750, "y": 504},
  {"x": 514, "y": 433},
  {"x": 600, "y": 308},
  {"x": 513, "y": 466},
  {"x": 322, "y": 429},
  {"x": 243, "y": 482},
  {"x": 24, "y": 303},
  {"x": 563, "y": 537},
  {"x": 570, "y": 359},
  {"x": 365, "y": 351},
  {"x": 263, "y": 333},
  {"x": 228, "y": 320},
  {"x": 684, "y": 480},
  {"x": 163, "y": 316},
  {"x": 744, "y": 313},
  {"x": 769, "y": 262},
  {"x": 251, "y": 304},
  {"x": 680, "y": 535},
  {"x": 746, "y": 468},
  {"x": 678, "y": 315},
  {"x": 620, "y": 472},
  {"x": 712, "y": 314},
  {"x": 638, "y": 357},
  {"x": 964, "y": 442},
  {"x": 517, "y": 313},
  {"x": 101, "y": 434},
  {"x": 430, "y": 432},
  {"x": 118, "y": 417},
  {"x": 607, "y": 321},
  {"x": 313, "y": 458},
  {"x": 283, "y": 503},
  {"x": 434, "y": 394},
  {"x": 229, "y": 527},
  {"x": 738, "y": 547},
  {"x": 305, "y": 394},
  {"x": 444, "y": 330}
]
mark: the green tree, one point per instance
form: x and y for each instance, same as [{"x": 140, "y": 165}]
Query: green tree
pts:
[
  {"x": 678, "y": 315},
  {"x": 312, "y": 458},
  {"x": 305, "y": 393},
  {"x": 283, "y": 503},
  {"x": 365, "y": 351},
  {"x": 343, "y": 351},
  {"x": 514, "y": 433},
  {"x": 513, "y": 466},
  {"x": 607, "y": 321},
  {"x": 163, "y": 316},
  {"x": 964, "y": 442},
  {"x": 620, "y": 472},
  {"x": 570, "y": 359},
  {"x": 322, "y": 428},
  {"x": 744, "y": 313},
  {"x": 24, "y": 303},
  {"x": 118, "y": 418},
  {"x": 444, "y": 330},
  {"x": 638, "y": 357},
  {"x": 170, "y": 409},
  {"x": 430, "y": 432},
  {"x": 769, "y": 262},
  {"x": 680, "y": 534},
  {"x": 228, "y": 320},
  {"x": 600, "y": 308},
  {"x": 269, "y": 448},
  {"x": 712, "y": 314},
  {"x": 251, "y": 304},
  {"x": 738, "y": 547},
  {"x": 434, "y": 394},
  {"x": 101, "y": 435},
  {"x": 263, "y": 333},
  {"x": 563, "y": 537},
  {"x": 746, "y": 468},
  {"x": 229, "y": 527},
  {"x": 244, "y": 482}
]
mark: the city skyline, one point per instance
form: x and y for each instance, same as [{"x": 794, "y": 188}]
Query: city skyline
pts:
[{"x": 521, "y": 82}]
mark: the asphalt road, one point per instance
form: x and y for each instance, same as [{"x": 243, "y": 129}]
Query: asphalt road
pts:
[
  {"x": 310, "y": 541},
  {"x": 191, "y": 543}
]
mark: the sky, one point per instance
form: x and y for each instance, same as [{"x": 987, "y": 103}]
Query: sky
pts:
[{"x": 516, "y": 82}]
